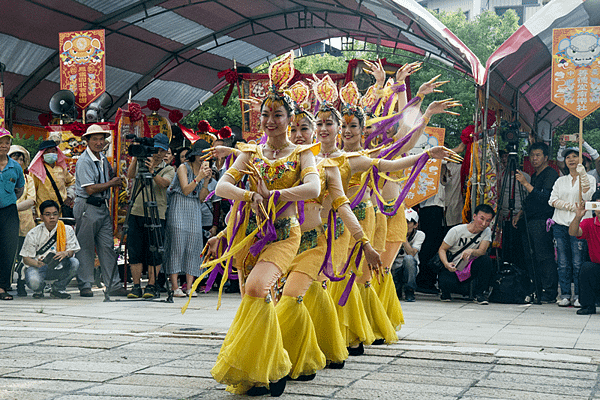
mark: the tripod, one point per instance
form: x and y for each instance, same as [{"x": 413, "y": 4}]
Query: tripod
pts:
[
  {"x": 152, "y": 225},
  {"x": 509, "y": 182}
]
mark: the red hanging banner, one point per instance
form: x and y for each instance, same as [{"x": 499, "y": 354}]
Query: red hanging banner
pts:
[{"x": 83, "y": 65}]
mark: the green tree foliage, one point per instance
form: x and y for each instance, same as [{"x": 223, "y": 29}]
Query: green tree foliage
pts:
[
  {"x": 30, "y": 143},
  {"x": 591, "y": 130},
  {"x": 483, "y": 36}
]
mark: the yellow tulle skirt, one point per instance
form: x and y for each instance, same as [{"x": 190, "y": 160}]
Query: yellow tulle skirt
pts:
[
  {"x": 252, "y": 353},
  {"x": 380, "y": 235},
  {"x": 376, "y": 315},
  {"x": 354, "y": 324},
  {"x": 386, "y": 290},
  {"x": 321, "y": 309},
  {"x": 299, "y": 338},
  {"x": 397, "y": 226}
]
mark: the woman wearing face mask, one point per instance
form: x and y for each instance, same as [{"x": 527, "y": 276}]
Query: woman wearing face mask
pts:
[
  {"x": 564, "y": 198},
  {"x": 281, "y": 174},
  {"x": 51, "y": 178},
  {"x": 25, "y": 204},
  {"x": 352, "y": 315}
]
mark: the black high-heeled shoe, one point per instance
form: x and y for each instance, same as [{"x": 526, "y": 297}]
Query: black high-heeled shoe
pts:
[
  {"x": 278, "y": 387},
  {"x": 257, "y": 391},
  {"x": 356, "y": 351},
  {"x": 378, "y": 342},
  {"x": 303, "y": 378},
  {"x": 333, "y": 365}
]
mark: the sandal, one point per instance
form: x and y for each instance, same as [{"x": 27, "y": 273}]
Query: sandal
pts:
[{"x": 5, "y": 296}]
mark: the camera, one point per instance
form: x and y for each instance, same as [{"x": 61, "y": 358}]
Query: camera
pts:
[
  {"x": 510, "y": 132},
  {"x": 141, "y": 147}
]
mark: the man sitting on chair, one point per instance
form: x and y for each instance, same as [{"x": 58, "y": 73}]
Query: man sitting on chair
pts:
[{"x": 51, "y": 237}]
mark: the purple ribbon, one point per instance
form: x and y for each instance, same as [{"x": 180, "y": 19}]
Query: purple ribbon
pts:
[
  {"x": 346, "y": 292},
  {"x": 209, "y": 196},
  {"x": 300, "y": 208},
  {"x": 549, "y": 223},
  {"x": 268, "y": 233},
  {"x": 381, "y": 127},
  {"x": 416, "y": 170},
  {"x": 327, "y": 266}
]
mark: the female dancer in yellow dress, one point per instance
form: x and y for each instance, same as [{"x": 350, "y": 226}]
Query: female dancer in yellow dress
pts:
[
  {"x": 391, "y": 221},
  {"x": 252, "y": 359},
  {"x": 352, "y": 316},
  {"x": 315, "y": 250}
]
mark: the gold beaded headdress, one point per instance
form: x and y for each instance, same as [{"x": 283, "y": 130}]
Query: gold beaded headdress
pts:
[
  {"x": 350, "y": 97},
  {"x": 280, "y": 75},
  {"x": 326, "y": 93},
  {"x": 299, "y": 93}
]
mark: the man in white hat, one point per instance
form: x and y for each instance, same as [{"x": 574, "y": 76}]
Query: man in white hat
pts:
[
  {"x": 406, "y": 265},
  {"x": 94, "y": 178}
]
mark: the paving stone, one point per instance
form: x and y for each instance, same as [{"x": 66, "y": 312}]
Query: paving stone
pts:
[
  {"x": 310, "y": 389},
  {"x": 45, "y": 350},
  {"x": 500, "y": 393},
  {"x": 434, "y": 363},
  {"x": 8, "y": 370},
  {"x": 422, "y": 379},
  {"x": 548, "y": 371},
  {"x": 547, "y": 364},
  {"x": 110, "y": 367},
  {"x": 164, "y": 391},
  {"x": 402, "y": 387},
  {"x": 384, "y": 394},
  {"x": 158, "y": 380},
  {"x": 64, "y": 375},
  {"x": 89, "y": 397},
  {"x": 548, "y": 380},
  {"x": 436, "y": 371},
  {"x": 87, "y": 344},
  {"x": 41, "y": 385},
  {"x": 25, "y": 395},
  {"x": 536, "y": 386},
  {"x": 471, "y": 358},
  {"x": 191, "y": 370}
]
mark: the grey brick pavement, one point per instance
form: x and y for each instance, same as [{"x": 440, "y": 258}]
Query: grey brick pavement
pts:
[{"x": 86, "y": 349}]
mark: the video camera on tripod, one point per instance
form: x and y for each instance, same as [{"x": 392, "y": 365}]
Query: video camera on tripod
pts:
[
  {"x": 141, "y": 147},
  {"x": 510, "y": 133}
]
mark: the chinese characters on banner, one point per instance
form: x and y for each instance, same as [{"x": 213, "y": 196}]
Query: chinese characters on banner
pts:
[
  {"x": 576, "y": 69},
  {"x": 83, "y": 65},
  {"x": 1, "y": 112},
  {"x": 427, "y": 183}
]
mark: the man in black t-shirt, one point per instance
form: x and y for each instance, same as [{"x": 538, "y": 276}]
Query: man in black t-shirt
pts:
[{"x": 537, "y": 211}]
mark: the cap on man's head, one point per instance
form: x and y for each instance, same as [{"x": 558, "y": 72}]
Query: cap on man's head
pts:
[
  {"x": 47, "y": 144},
  {"x": 570, "y": 150},
  {"x": 411, "y": 215},
  {"x": 161, "y": 141},
  {"x": 96, "y": 129},
  {"x": 5, "y": 132}
]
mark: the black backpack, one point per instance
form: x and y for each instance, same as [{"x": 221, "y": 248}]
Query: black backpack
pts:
[{"x": 511, "y": 285}]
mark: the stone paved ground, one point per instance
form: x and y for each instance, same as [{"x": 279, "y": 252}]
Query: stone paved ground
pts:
[{"x": 88, "y": 349}]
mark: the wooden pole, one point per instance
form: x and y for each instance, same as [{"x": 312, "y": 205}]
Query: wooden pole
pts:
[{"x": 580, "y": 156}]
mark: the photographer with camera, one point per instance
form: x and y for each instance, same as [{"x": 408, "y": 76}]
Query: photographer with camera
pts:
[
  {"x": 138, "y": 236},
  {"x": 48, "y": 253},
  {"x": 94, "y": 178},
  {"x": 542, "y": 267}
]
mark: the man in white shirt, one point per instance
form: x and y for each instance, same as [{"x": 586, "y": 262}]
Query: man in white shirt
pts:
[
  {"x": 475, "y": 238},
  {"x": 406, "y": 265},
  {"x": 41, "y": 242}
]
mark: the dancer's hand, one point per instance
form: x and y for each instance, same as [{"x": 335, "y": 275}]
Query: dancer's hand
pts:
[
  {"x": 441, "y": 107},
  {"x": 376, "y": 69},
  {"x": 373, "y": 258},
  {"x": 431, "y": 86},
  {"x": 407, "y": 70},
  {"x": 217, "y": 152},
  {"x": 212, "y": 244}
]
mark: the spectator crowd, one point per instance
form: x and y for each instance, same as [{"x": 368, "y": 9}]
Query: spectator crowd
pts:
[{"x": 542, "y": 225}]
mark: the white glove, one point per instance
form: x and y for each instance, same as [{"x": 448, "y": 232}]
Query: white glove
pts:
[
  {"x": 583, "y": 177},
  {"x": 564, "y": 205},
  {"x": 593, "y": 152}
]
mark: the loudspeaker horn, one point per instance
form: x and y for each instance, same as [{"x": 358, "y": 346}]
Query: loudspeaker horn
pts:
[
  {"x": 62, "y": 102},
  {"x": 96, "y": 109}
]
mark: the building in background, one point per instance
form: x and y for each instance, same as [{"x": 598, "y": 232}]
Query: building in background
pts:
[{"x": 472, "y": 8}]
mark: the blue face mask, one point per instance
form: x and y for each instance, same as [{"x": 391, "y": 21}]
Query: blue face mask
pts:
[{"x": 50, "y": 158}]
